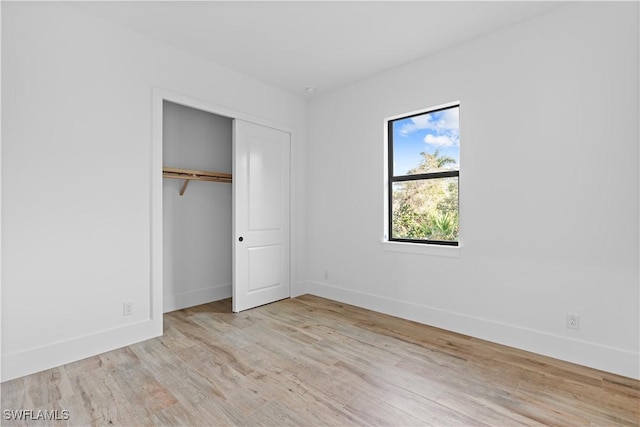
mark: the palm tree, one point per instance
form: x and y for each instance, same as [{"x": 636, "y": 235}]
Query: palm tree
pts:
[{"x": 433, "y": 162}]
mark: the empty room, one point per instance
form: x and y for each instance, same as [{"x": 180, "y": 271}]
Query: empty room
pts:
[{"x": 320, "y": 213}]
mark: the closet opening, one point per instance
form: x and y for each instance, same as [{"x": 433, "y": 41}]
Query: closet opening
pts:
[{"x": 197, "y": 206}]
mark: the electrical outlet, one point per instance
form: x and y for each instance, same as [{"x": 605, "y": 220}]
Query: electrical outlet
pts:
[
  {"x": 326, "y": 275},
  {"x": 127, "y": 308},
  {"x": 573, "y": 321}
]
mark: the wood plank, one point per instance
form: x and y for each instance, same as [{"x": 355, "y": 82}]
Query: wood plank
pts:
[
  {"x": 197, "y": 177},
  {"x": 179, "y": 171},
  {"x": 309, "y": 361}
]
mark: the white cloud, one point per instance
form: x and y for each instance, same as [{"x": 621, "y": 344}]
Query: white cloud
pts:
[
  {"x": 441, "y": 140},
  {"x": 448, "y": 120},
  {"x": 417, "y": 123}
]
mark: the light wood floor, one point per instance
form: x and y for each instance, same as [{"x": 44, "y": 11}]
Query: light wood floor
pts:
[{"x": 311, "y": 361}]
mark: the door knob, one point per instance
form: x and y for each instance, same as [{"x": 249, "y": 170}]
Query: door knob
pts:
[{"x": 240, "y": 238}]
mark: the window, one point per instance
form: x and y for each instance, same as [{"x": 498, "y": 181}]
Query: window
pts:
[{"x": 424, "y": 169}]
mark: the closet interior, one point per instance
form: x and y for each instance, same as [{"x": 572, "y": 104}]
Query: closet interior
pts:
[{"x": 197, "y": 235}]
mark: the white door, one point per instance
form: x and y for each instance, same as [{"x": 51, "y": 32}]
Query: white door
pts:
[{"x": 261, "y": 215}]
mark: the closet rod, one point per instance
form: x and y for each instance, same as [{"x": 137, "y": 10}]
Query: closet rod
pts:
[{"x": 194, "y": 175}]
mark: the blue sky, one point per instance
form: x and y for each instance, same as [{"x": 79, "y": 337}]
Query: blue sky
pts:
[{"x": 426, "y": 132}]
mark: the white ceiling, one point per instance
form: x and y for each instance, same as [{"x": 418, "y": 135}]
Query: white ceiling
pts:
[{"x": 326, "y": 44}]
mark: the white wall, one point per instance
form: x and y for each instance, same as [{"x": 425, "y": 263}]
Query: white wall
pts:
[
  {"x": 76, "y": 177},
  {"x": 197, "y": 225},
  {"x": 549, "y": 189}
]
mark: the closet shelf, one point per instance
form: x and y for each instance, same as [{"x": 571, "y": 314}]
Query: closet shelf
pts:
[{"x": 194, "y": 175}]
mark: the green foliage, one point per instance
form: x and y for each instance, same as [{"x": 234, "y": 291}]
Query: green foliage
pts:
[
  {"x": 444, "y": 226},
  {"x": 433, "y": 162},
  {"x": 426, "y": 209},
  {"x": 449, "y": 204}
]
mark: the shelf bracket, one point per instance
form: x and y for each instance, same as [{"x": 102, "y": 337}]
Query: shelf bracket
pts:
[{"x": 184, "y": 186}]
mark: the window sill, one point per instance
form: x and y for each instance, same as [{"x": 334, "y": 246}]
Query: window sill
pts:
[{"x": 422, "y": 249}]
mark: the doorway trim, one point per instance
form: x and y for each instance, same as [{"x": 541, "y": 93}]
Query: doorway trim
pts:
[{"x": 156, "y": 202}]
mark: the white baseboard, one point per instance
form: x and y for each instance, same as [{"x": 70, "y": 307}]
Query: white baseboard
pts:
[
  {"x": 38, "y": 359},
  {"x": 609, "y": 359},
  {"x": 298, "y": 289},
  {"x": 197, "y": 297},
  {"x": 614, "y": 360}
]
